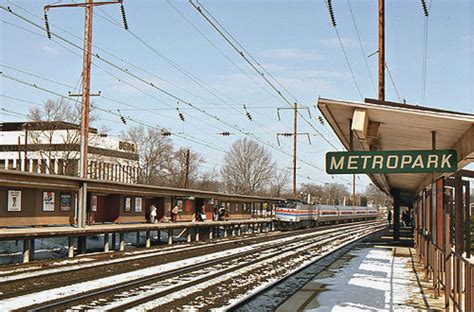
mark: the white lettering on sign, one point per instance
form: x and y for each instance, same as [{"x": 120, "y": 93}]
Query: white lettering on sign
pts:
[
  {"x": 337, "y": 165},
  {"x": 365, "y": 158},
  {"x": 418, "y": 162},
  {"x": 378, "y": 160},
  {"x": 445, "y": 161},
  {"x": 394, "y": 165},
  {"x": 406, "y": 160},
  {"x": 432, "y": 160},
  {"x": 352, "y": 162}
]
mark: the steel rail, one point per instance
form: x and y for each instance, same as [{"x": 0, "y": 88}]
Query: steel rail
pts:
[
  {"x": 67, "y": 301},
  {"x": 317, "y": 244},
  {"x": 243, "y": 301},
  {"x": 151, "y": 254}
]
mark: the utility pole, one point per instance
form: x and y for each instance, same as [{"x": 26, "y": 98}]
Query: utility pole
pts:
[
  {"x": 295, "y": 128},
  {"x": 382, "y": 50},
  {"x": 294, "y": 135},
  {"x": 186, "y": 174},
  {"x": 86, "y": 80}
]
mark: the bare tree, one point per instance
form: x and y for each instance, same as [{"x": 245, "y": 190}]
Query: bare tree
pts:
[
  {"x": 158, "y": 162},
  {"x": 315, "y": 190},
  {"x": 376, "y": 197},
  {"x": 208, "y": 181},
  {"x": 53, "y": 138},
  {"x": 155, "y": 154},
  {"x": 334, "y": 193},
  {"x": 248, "y": 168},
  {"x": 279, "y": 183},
  {"x": 178, "y": 170}
]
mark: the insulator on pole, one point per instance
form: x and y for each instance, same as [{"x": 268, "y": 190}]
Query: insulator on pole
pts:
[
  {"x": 321, "y": 120},
  {"x": 46, "y": 25},
  {"x": 165, "y": 133},
  {"x": 247, "y": 113},
  {"x": 225, "y": 133},
  {"x": 181, "y": 115},
  {"x": 425, "y": 8},
  {"x": 124, "y": 17},
  {"x": 122, "y": 118},
  {"x": 331, "y": 13}
]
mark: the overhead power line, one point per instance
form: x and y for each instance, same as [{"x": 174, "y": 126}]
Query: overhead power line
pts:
[
  {"x": 248, "y": 58},
  {"x": 339, "y": 39},
  {"x": 364, "y": 55},
  {"x": 118, "y": 114},
  {"x": 424, "y": 59},
  {"x": 171, "y": 95}
]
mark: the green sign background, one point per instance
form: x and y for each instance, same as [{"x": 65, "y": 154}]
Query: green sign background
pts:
[{"x": 413, "y": 161}]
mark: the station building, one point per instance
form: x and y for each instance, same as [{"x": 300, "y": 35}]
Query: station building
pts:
[{"x": 54, "y": 148}]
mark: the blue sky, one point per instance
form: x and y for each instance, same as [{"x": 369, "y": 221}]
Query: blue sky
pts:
[{"x": 292, "y": 39}]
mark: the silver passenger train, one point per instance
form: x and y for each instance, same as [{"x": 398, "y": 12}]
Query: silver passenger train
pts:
[{"x": 297, "y": 214}]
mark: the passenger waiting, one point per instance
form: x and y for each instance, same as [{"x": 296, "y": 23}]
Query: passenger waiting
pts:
[
  {"x": 174, "y": 213},
  {"x": 152, "y": 215}
]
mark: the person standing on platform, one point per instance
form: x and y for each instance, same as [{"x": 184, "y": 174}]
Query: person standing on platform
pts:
[
  {"x": 389, "y": 218},
  {"x": 203, "y": 213},
  {"x": 152, "y": 215},
  {"x": 174, "y": 213}
]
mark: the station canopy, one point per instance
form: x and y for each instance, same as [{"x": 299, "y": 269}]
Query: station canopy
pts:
[{"x": 387, "y": 126}]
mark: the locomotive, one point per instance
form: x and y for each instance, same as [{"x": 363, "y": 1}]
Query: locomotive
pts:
[{"x": 293, "y": 214}]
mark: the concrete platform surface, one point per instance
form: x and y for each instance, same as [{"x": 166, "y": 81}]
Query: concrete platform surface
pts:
[{"x": 377, "y": 275}]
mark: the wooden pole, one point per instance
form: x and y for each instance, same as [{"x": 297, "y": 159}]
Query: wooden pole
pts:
[
  {"x": 86, "y": 80},
  {"x": 186, "y": 175},
  {"x": 295, "y": 128},
  {"x": 382, "y": 50}
]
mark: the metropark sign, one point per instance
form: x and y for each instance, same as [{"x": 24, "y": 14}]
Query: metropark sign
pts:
[{"x": 414, "y": 161}]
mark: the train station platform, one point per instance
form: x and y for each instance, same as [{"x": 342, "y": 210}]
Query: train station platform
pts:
[
  {"x": 379, "y": 274},
  {"x": 54, "y": 231}
]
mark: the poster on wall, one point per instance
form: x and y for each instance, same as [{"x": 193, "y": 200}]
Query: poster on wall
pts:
[
  {"x": 14, "y": 200},
  {"x": 94, "y": 203},
  {"x": 128, "y": 204},
  {"x": 138, "y": 204},
  {"x": 65, "y": 201},
  {"x": 48, "y": 201}
]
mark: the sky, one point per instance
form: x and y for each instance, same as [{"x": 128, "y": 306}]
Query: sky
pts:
[{"x": 172, "y": 46}]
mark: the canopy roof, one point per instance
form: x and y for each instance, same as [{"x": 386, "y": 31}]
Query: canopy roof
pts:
[{"x": 381, "y": 125}]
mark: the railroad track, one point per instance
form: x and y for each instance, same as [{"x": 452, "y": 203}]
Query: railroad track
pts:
[
  {"x": 23, "y": 283},
  {"x": 227, "y": 264}
]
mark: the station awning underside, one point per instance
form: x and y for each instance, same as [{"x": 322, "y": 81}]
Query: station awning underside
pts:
[{"x": 397, "y": 126}]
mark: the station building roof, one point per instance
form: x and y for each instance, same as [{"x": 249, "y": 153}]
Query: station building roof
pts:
[
  {"x": 400, "y": 126},
  {"x": 21, "y": 179}
]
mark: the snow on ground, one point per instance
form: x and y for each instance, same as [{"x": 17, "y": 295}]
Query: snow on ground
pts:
[
  {"x": 73, "y": 289},
  {"x": 182, "y": 293},
  {"x": 329, "y": 248},
  {"x": 374, "y": 280},
  {"x": 82, "y": 262}
]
